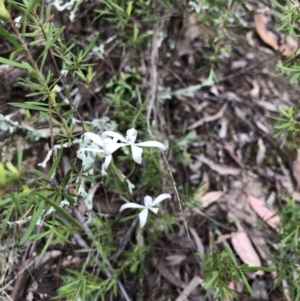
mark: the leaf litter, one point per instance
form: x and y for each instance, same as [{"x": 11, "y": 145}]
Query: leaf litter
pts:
[{"x": 235, "y": 166}]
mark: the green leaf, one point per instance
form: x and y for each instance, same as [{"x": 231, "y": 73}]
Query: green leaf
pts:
[
  {"x": 4, "y": 13},
  {"x": 55, "y": 163},
  {"x": 19, "y": 160},
  {"x": 54, "y": 121},
  {"x": 135, "y": 32},
  {"x": 16, "y": 200},
  {"x": 247, "y": 284},
  {"x": 40, "y": 174},
  {"x": 4, "y": 202},
  {"x": 287, "y": 238},
  {"x": 22, "y": 65},
  {"x": 69, "y": 198},
  {"x": 294, "y": 78},
  {"x": 73, "y": 166},
  {"x": 129, "y": 8},
  {"x": 35, "y": 216},
  {"x": 29, "y": 6},
  {"x": 81, "y": 74},
  {"x": 112, "y": 4},
  {"x": 282, "y": 126},
  {"x": 66, "y": 180},
  {"x": 2, "y": 176},
  {"x": 60, "y": 210},
  {"x": 33, "y": 74},
  {"x": 9, "y": 37},
  {"x": 209, "y": 282},
  {"x": 278, "y": 5},
  {"x": 38, "y": 236},
  {"x": 69, "y": 113},
  {"x": 14, "y": 54},
  {"x": 248, "y": 269},
  {"x": 230, "y": 254},
  {"x": 91, "y": 45},
  {"x": 49, "y": 240},
  {"x": 12, "y": 169},
  {"x": 30, "y": 106},
  {"x": 52, "y": 37},
  {"x": 284, "y": 112}
]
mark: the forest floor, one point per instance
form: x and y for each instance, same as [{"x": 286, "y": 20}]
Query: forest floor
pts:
[{"x": 212, "y": 87}]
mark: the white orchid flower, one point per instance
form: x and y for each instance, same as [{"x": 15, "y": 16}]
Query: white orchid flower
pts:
[
  {"x": 100, "y": 143},
  {"x": 149, "y": 205},
  {"x": 131, "y": 135}
]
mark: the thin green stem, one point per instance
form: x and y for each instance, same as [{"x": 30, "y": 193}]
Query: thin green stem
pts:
[
  {"x": 42, "y": 81},
  {"x": 120, "y": 177}
]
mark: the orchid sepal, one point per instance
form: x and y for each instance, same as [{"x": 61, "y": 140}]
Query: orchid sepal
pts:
[{"x": 149, "y": 205}]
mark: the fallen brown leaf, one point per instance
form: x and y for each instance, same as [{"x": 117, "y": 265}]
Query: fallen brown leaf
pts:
[
  {"x": 267, "y": 105},
  {"x": 262, "y": 125},
  {"x": 209, "y": 118},
  {"x": 263, "y": 33},
  {"x": 264, "y": 213},
  {"x": 210, "y": 198},
  {"x": 287, "y": 49},
  {"x": 230, "y": 150},
  {"x": 261, "y": 152},
  {"x": 244, "y": 248},
  {"x": 292, "y": 42},
  {"x": 220, "y": 169},
  {"x": 168, "y": 274},
  {"x": 198, "y": 241},
  {"x": 189, "y": 288},
  {"x": 290, "y": 47},
  {"x": 256, "y": 89},
  {"x": 174, "y": 259}
]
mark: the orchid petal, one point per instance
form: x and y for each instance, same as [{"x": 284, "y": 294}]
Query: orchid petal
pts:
[
  {"x": 136, "y": 153},
  {"x": 112, "y": 147},
  {"x": 131, "y": 135},
  {"x": 107, "y": 161},
  {"x": 143, "y": 217},
  {"x": 114, "y": 135},
  {"x": 108, "y": 140},
  {"x": 152, "y": 144},
  {"x": 154, "y": 209},
  {"x": 161, "y": 198},
  {"x": 148, "y": 201},
  {"x": 95, "y": 138},
  {"x": 130, "y": 205}
]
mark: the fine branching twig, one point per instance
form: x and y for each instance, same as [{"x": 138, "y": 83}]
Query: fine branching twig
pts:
[
  {"x": 153, "y": 80},
  {"x": 22, "y": 278},
  {"x": 27, "y": 266},
  {"x": 177, "y": 194},
  {"x": 153, "y": 92},
  {"x": 58, "y": 72},
  {"x": 89, "y": 234},
  {"x": 125, "y": 240}
]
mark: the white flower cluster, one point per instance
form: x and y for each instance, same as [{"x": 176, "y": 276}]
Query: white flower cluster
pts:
[{"x": 107, "y": 144}]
